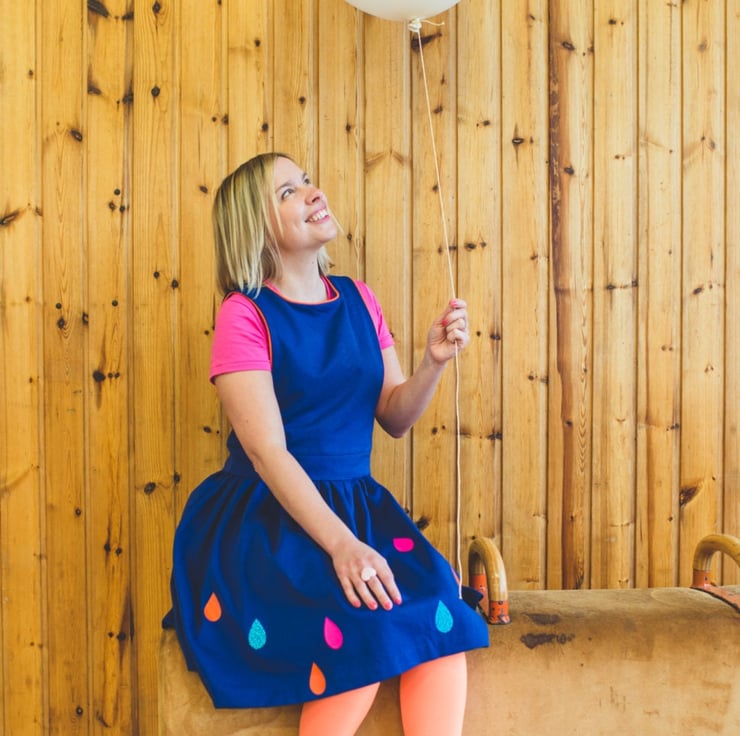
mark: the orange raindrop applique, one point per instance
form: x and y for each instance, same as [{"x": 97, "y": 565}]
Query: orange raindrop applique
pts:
[
  {"x": 212, "y": 610},
  {"x": 317, "y": 681}
]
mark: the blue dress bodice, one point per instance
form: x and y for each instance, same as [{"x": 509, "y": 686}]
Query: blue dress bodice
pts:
[{"x": 327, "y": 371}]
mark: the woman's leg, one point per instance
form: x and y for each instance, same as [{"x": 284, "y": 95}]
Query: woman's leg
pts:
[
  {"x": 433, "y": 697},
  {"x": 338, "y": 715}
]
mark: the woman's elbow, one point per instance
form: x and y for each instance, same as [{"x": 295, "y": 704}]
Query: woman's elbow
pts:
[{"x": 394, "y": 430}]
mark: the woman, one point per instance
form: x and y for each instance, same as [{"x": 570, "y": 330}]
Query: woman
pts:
[{"x": 297, "y": 578}]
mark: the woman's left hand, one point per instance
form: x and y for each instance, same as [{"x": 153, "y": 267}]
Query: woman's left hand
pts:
[{"x": 449, "y": 332}]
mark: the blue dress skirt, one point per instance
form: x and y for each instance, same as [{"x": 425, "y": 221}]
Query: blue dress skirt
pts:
[{"x": 257, "y": 606}]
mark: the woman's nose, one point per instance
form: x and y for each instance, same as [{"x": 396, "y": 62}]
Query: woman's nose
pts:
[{"x": 314, "y": 194}]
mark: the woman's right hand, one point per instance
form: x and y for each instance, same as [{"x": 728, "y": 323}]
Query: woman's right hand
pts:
[{"x": 354, "y": 561}]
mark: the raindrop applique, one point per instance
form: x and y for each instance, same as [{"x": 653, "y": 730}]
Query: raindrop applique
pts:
[
  {"x": 257, "y": 635},
  {"x": 443, "y": 618},
  {"x": 403, "y": 544},
  {"x": 212, "y": 609},
  {"x": 333, "y": 634},
  {"x": 317, "y": 681}
]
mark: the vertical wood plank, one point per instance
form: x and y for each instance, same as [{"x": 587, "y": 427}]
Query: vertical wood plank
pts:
[
  {"x": 154, "y": 283},
  {"x": 731, "y": 572},
  {"x": 479, "y": 265},
  {"x": 22, "y": 709},
  {"x": 249, "y": 94},
  {"x": 615, "y": 295},
  {"x": 524, "y": 289},
  {"x": 571, "y": 350},
  {"x": 659, "y": 352},
  {"x": 386, "y": 217},
  {"x": 65, "y": 367},
  {"x": 197, "y": 407},
  {"x": 108, "y": 179},
  {"x": 433, "y": 439},
  {"x": 294, "y": 95},
  {"x": 249, "y": 74},
  {"x": 339, "y": 170},
  {"x": 702, "y": 398}
]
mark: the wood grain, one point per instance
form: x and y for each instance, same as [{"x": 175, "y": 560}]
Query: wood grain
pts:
[{"x": 589, "y": 168}]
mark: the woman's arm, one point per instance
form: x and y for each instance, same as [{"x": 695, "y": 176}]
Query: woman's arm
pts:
[
  {"x": 402, "y": 401},
  {"x": 248, "y": 397}
]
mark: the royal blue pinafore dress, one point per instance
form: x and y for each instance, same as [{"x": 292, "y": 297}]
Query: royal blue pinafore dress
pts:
[{"x": 257, "y": 606}]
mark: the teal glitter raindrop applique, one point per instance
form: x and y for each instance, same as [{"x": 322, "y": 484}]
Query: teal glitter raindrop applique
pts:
[
  {"x": 443, "y": 618},
  {"x": 257, "y": 635}
]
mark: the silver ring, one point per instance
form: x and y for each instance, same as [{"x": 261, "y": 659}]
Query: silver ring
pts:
[{"x": 368, "y": 573}]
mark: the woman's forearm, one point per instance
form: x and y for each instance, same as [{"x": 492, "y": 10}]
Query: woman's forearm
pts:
[
  {"x": 297, "y": 494},
  {"x": 403, "y": 401},
  {"x": 406, "y": 402}
]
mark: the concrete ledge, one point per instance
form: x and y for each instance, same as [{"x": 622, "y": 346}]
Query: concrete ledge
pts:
[{"x": 663, "y": 662}]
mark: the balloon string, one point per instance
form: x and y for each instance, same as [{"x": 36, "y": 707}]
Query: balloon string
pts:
[
  {"x": 434, "y": 153},
  {"x": 415, "y": 27}
]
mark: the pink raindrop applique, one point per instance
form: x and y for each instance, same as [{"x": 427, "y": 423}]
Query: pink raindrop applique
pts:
[
  {"x": 443, "y": 618},
  {"x": 212, "y": 609},
  {"x": 332, "y": 634},
  {"x": 317, "y": 681},
  {"x": 403, "y": 544},
  {"x": 257, "y": 635}
]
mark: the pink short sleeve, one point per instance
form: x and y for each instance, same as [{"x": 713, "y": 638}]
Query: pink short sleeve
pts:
[
  {"x": 240, "y": 340},
  {"x": 376, "y": 313}
]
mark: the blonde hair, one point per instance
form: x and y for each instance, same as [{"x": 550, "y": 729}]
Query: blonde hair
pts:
[{"x": 243, "y": 212}]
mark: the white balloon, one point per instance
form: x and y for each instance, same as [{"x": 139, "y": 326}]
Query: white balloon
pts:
[{"x": 403, "y": 9}]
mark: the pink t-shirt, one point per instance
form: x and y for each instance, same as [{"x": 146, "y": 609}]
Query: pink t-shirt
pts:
[{"x": 240, "y": 341}]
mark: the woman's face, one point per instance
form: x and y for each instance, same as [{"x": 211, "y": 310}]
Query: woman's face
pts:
[{"x": 305, "y": 220}]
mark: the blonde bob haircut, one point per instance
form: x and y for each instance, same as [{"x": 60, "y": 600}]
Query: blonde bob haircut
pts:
[{"x": 244, "y": 211}]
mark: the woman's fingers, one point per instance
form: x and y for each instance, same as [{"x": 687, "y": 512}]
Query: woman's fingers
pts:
[
  {"x": 365, "y": 576},
  {"x": 377, "y": 594},
  {"x": 380, "y": 590},
  {"x": 390, "y": 587},
  {"x": 372, "y": 589},
  {"x": 455, "y": 323}
]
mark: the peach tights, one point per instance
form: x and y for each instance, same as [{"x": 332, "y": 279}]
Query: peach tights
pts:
[{"x": 432, "y": 703}]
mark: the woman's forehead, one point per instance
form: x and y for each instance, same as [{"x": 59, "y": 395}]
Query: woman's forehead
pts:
[{"x": 285, "y": 169}]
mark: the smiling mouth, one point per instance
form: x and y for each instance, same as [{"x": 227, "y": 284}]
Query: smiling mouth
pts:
[{"x": 320, "y": 215}]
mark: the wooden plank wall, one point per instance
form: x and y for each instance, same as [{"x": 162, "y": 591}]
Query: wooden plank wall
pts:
[{"x": 589, "y": 164}]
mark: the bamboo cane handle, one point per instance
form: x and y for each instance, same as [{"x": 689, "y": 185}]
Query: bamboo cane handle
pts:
[
  {"x": 488, "y": 577},
  {"x": 703, "y": 565},
  {"x": 705, "y": 551},
  {"x": 715, "y": 543}
]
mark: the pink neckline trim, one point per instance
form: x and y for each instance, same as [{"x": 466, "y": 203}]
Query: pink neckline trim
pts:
[{"x": 331, "y": 292}]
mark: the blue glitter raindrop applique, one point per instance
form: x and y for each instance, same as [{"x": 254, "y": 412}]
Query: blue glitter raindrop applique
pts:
[
  {"x": 443, "y": 618},
  {"x": 257, "y": 635}
]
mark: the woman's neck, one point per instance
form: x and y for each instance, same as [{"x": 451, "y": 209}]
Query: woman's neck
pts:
[{"x": 307, "y": 288}]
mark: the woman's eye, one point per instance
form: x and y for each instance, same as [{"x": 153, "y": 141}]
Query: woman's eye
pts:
[{"x": 286, "y": 193}]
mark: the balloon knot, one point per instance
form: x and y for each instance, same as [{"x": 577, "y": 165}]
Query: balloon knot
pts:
[{"x": 415, "y": 25}]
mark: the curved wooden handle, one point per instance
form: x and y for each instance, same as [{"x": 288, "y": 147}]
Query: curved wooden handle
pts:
[
  {"x": 488, "y": 576},
  {"x": 703, "y": 564},
  {"x": 715, "y": 543}
]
